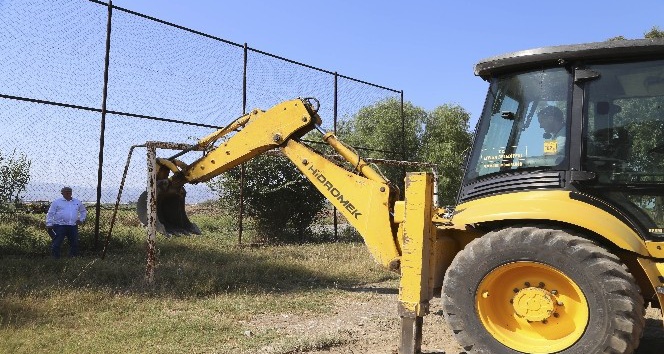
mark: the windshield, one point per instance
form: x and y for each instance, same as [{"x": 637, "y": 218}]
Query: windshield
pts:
[{"x": 523, "y": 124}]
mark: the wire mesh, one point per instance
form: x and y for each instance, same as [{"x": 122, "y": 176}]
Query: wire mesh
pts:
[
  {"x": 165, "y": 83},
  {"x": 271, "y": 80},
  {"x": 162, "y": 71},
  {"x": 53, "y": 50}
]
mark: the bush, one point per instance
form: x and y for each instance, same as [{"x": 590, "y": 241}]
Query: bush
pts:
[
  {"x": 14, "y": 178},
  {"x": 282, "y": 202},
  {"x": 23, "y": 234}
]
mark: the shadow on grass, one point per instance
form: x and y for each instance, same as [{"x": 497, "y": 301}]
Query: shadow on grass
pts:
[
  {"x": 17, "y": 315},
  {"x": 183, "y": 270}
]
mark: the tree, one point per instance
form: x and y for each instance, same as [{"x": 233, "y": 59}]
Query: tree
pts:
[
  {"x": 440, "y": 137},
  {"x": 654, "y": 32},
  {"x": 377, "y": 131},
  {"x": 445, "y": 142},
  {"x": 282, "y": 202},
  {"x": 14, "y": 178}
]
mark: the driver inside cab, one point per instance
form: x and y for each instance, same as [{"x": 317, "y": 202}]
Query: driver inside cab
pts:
[{"x": 552, "y": 122}]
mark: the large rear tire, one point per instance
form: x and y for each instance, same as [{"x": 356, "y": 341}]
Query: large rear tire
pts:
[{"x": 539, "y": 290}]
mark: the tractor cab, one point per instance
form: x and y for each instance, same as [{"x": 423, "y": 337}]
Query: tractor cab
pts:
[{"x": 585, "y": 118}]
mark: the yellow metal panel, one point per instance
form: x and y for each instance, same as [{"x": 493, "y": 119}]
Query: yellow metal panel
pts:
[
  {"x": 445, "y": 249},
  {"x": 364, "y": 203},
  {"x": 656, "y": 249},
  {"x": 550, "y": 205},
  {"x": 416, "y": 287},
  {"x": 655, "y": 272},
  {"x": 399, "y": 212},
  {"x": 264, "y": 131}
]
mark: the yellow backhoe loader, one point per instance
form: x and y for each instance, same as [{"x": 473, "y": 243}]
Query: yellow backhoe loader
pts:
[{"x": 556, "y": 244}]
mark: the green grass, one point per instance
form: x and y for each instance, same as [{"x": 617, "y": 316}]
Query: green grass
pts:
[
  {"x": 85, "y": 321},
  {"x": 205, "y": 287}
]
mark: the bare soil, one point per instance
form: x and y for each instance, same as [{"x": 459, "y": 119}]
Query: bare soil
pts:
[{"x": 365, "y": 320}]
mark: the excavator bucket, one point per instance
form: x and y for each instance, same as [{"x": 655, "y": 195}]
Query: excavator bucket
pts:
[{"x": 171, "y": 214}]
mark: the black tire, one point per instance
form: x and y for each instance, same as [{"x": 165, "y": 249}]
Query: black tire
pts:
[{"x": 615, "y": 317}]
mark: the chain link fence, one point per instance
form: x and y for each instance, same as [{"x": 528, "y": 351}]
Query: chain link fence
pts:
[{"x": 82, "y": 82}]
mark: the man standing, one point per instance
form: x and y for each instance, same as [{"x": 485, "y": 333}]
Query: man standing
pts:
[{"x": 63, "y": 217}]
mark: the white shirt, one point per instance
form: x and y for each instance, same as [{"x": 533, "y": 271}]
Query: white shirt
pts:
[{"x": 65, "y": 212}]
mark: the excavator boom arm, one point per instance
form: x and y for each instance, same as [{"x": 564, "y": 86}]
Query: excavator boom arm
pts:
[
  {"x": 260, "y": 131},
  {"x": 363, "y": 195}
]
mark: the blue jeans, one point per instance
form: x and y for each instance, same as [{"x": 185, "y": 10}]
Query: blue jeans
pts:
[{"x": 71, "y": 232}]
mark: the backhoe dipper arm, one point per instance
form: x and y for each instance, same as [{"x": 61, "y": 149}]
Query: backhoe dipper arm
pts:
[
  {"x": 259, "y": 131},
  {"x": 363, "y": 196}
]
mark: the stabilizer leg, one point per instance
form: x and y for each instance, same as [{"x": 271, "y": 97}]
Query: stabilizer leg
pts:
[
  {"x": 411, "y": 335},
  {"x": 416, "y": 285}
]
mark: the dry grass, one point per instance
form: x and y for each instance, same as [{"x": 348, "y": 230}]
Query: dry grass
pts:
[{"x": 205, "y": 288}]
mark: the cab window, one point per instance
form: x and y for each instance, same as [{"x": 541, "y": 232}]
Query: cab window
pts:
[{"x": 524, "y": 124}]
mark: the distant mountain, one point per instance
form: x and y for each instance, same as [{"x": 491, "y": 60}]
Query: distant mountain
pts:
[{"x": 49, "y": 191}]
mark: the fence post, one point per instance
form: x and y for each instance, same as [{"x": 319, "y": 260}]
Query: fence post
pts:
[
  {"x": 242, "y": 167},
  {"x": 151, "y": 211},
  {"x": 336, "y": 103},
  {"x": 403, "y": 137},
  {"x": 102, "y": 127}
]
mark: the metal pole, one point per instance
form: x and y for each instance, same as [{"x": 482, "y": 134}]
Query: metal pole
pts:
[
  {"x": 336, "y": 100},
  {"x": 244, "y": 80},
  {"x": 103, "y": 123},
  {"x": 403, "y": 137},
  {"x": 117, "y": 200},
  {"x": 336, "y": 104},
  {"x": 403, "y": 131},
  {"x": 152, "y": 212},
  {"x": 242, "y": 166}
]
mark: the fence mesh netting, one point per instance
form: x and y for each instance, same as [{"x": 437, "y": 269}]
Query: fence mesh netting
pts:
[{"x": 165, "y": 83}]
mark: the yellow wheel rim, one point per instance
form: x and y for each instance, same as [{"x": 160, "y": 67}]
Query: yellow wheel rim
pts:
[{"x": 532, "y": 307}]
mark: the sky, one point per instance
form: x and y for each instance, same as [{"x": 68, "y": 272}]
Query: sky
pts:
[{"x": 428, "y": 49}]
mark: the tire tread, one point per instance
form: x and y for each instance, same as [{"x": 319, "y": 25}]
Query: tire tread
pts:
[{"x": 621, "y": 289}]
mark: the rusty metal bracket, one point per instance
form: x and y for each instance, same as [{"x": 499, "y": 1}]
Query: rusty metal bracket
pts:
[
  {"x": 152, "y": 212},
  {"x": 117, "y": 200},
  {"x": 151, "y": 227}
]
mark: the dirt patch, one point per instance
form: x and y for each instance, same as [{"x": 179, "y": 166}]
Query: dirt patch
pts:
[{"x": 364, "y": 320}]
